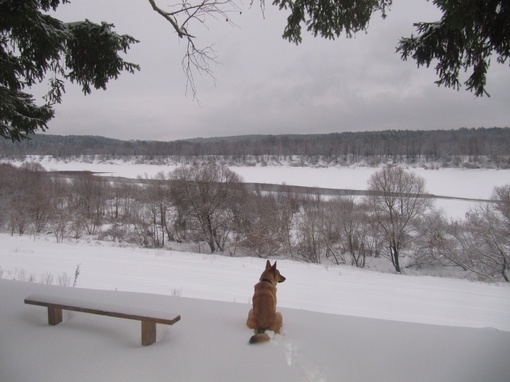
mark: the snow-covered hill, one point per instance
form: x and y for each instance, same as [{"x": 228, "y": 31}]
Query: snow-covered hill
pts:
[{"x": 340, "y": 323}]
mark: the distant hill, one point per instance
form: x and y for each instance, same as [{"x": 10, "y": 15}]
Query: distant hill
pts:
[{"x": 493, "y": 144}]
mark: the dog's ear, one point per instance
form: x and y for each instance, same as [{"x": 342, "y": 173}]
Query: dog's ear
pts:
[
  {"x": 274, "y": 266},
  {"x": 268, "y": 264}
]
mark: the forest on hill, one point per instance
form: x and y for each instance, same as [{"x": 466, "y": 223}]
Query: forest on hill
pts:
[{"x": 479, "y": 147}]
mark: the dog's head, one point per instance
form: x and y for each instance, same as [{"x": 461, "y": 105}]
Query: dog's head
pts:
[{"x": 272, "y": 274}]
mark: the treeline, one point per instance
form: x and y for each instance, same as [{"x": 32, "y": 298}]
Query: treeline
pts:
[
  {"x": 206, "y": 208},
  {"x": 482, "y": 146}
]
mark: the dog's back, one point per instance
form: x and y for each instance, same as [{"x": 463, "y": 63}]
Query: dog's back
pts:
[{"x": 263, "y": 315}]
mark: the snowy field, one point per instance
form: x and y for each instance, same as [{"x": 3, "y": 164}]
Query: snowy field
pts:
[
  {"x": 451, "y": 182},
  {"x": 340, "y": 323}
]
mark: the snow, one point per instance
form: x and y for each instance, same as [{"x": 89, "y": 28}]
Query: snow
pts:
[
  {"x": 449, "y": 182},
  {"x": 340, "y": 323},
  {"x": 109, "y": 267},
  {"x": 456, "y": 182}
]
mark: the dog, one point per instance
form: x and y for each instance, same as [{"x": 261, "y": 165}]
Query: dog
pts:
[{"x": 263, "y": 316}]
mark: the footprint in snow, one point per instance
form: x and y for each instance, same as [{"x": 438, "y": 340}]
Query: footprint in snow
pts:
[{"x": 311, "y": 372}]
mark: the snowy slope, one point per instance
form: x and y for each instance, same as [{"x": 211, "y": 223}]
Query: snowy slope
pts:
[
  {"x": 333, "y": 289},
  {"x": 340, "y": 323},
  {"x": 379, "y": 327}
]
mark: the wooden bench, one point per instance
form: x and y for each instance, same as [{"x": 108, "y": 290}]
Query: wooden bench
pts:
[{"x": 148, "y": 318}]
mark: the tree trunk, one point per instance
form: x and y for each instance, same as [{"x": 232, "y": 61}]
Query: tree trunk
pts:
[
  {"x": 395, "y": 257},
  {"x": 503, "y": 271}
]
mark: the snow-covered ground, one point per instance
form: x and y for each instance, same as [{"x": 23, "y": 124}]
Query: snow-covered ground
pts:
[{"x": 340, "y": 323}]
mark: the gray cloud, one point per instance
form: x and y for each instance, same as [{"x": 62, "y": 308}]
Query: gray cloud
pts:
[{"x": 266, "y": 85}]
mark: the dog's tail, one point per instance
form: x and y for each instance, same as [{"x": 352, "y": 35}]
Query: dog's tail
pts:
[{"x": 259, "y": 337}]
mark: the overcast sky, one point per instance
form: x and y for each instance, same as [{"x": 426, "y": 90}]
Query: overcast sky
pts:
[{"x": 266, "y": 85}]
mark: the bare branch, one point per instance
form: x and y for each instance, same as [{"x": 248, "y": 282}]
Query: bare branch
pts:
[
  {"x": 181, "y": 16},
  {"x": 169, "y": 16}
]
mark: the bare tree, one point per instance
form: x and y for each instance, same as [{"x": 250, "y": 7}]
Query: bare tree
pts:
[
  {"x": 501, "y": 198},
  {"x": 7, "y": 190},
  {"x": 489, "y": 227},
  {"x": 309, "y": 229},
  {"x": 446, "y": 243},
  {"x": 38, "y": 194},
  {"x": 355, "y": 232},
  {"x": 29, "y": 202},
  {"x": 267, "y": 222},
  {"x": 332, "y": 231},
  {"x": 348, "y": 229},
  {"x": 264, "y": 224},
  {"x": 154, "y": 211},
  {"x": 397, "y": 197},
  {"x": 121, "y": 202},
  {"x": 61, "y": 202},
  {"x": 206, "y": 194},
  {"x": 89, "y": 203}
]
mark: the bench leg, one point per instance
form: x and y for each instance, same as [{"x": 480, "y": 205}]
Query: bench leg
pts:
[
  {"x": 148, "y": 333},
  {"x": 54, "y": 315}
]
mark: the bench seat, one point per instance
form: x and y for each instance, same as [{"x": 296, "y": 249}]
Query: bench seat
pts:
[{"x": 148, "y": 317}]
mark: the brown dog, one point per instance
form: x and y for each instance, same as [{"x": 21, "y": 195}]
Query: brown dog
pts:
[{"x": 264, "y": 316}]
